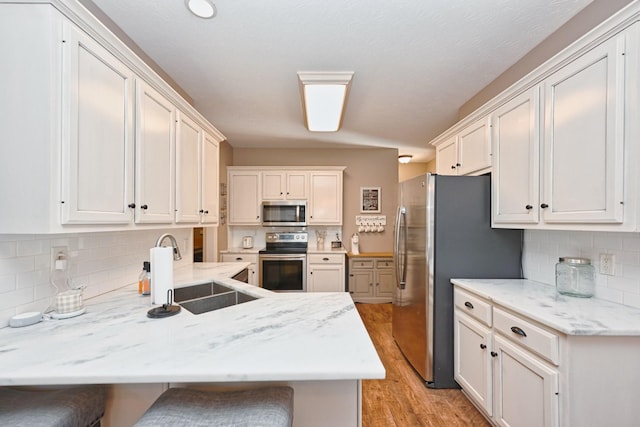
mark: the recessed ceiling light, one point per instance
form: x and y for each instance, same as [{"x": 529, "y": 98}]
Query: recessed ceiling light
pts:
[
  {"x": 201, "y": 8},
  {"x": 405, "y": 158}
]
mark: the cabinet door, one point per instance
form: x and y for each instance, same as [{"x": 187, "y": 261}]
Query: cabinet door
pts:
[
  {"x": 584, "y": 138},
  {"x": 273, "y": 185},
  {"x": 325, "y": 202},
  {"x": 97, "y": 162},
  {"x": 187, "y": 170},
  {"x": 361, "y": 283},
  {"x": 447, "y": 157},
  {"x": 244, "y": 198},
  {"x": 296, "y": 185},
  {"x": 525, "y": 388},
  {"x": 385, "y": 283},
  {"x": 472, "y": 360},
  {"x": 210, "y": 180},
  {"x": 474, "y": 147},
  {"x": 325, "y": 278},
  {"x": 515, "y": 175},
  {"x": 155, "y": 133}
]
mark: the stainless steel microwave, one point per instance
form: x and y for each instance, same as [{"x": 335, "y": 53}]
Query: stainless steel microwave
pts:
[{"x": 284, "y": 213}]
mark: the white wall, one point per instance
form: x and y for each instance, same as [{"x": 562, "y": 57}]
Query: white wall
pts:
[
  {"x": 543, "y": 248},
  {"x": 101, "y": 261}
]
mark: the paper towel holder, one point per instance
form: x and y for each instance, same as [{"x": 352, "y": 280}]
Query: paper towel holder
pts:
[{"x": 165, "y": 310}]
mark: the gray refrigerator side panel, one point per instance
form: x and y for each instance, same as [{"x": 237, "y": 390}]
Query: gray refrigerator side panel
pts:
[{"x": 465, "y": 246}]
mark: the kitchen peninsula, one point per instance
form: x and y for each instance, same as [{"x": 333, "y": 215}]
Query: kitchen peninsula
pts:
[{"x": 314, "y": 342}]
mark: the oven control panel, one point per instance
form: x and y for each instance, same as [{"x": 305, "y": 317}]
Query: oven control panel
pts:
[{"x": 287, "y": 237}]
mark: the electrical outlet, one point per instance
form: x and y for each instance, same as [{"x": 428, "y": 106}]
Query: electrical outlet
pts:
[
  {"x": 55, "y": 251},
  {"x": 607, "y": 264}
]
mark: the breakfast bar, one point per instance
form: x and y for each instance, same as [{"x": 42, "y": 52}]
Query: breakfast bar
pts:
[{"x": 315, "y": 342}]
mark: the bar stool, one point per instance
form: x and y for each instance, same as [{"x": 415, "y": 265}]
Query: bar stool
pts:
[
  {"x": 262, "y": 407},
  {"x": 81, "y": 406}
]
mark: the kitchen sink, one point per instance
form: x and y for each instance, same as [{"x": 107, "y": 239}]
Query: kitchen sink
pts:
[{"x": 207, "y": 297}]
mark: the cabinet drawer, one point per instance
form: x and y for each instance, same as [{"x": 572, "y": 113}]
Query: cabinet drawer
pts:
[
  {"x": 521, "y": 331},
  {"x": 231, "y": 257},
  {"x": 362, "y": 263},
  {"x": 384, "y": 263},
  {"x": 473, "y": 306},
  {"x": 325, "y": 259}
]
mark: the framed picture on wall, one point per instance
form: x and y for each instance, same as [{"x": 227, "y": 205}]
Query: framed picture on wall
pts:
[{"x": 370, "y": 199}]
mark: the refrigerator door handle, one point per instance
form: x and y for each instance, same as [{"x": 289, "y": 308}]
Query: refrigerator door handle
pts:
[{"x": 401, "y": 252}]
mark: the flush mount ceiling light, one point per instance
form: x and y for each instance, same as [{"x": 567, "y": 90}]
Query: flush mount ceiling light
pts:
[
  {"x": 324, "y": 95},
  {"x": 201, "y": 8},
  {"x": 405, "y": 158}
]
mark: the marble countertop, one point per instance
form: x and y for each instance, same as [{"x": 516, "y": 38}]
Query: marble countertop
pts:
[
  {"x": 569, "y": 315},
  {"x": 279, "y": 337}
]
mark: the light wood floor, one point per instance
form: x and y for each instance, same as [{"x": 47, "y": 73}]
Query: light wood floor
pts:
[{"x": 402, "y": 399}]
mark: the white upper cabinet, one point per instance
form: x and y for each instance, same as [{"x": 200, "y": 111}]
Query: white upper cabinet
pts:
[
  {"x": 474, "y": 148},
  {"x": 155, "y": 163},
  {"x": 447, "y": 157},
  {"x": 97, "y": 152},
  {"x": 278, "y": 185},
  {"x": 584, "y": 138},
  {"x": 325, "y": 197},
  {"x": 515, "y": 177},
  {"x": 468, "y": 152},
  {"x": 210, "y": 177},
  {"x": 244, "y": 197},
  {"x": 565, "y": 141},
  {"x": 90, "y": 130},
  {"x": 188, "y": 139}
]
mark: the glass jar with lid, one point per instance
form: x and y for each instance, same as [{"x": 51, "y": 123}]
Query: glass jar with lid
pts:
[{"x": 575, "y": 277}]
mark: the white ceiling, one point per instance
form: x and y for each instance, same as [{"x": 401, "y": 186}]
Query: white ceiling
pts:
[{"x": 415, "y": 61}]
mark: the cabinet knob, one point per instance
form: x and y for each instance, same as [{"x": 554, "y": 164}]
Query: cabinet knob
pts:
[
  {"x": 453, "y": 167},
  {"x": 468, "y": 305},
  {"x": 458, "y": 165},
  {"x": 483, "y": 346},
  {"x": 145, "y": 207},
  {"x": 239, "y": 259},
  {"x": 206, "y": 212},
  {"x": 132, "y": 205},
  {"x": 528, "y": 207},
  {"x": 544, "y": 206},
  {"x": 518, "y": 331},
  {"x": 325, "y": 259},
  {"x": 494, "y": 354},
  {"x": 201, "y": 211}
]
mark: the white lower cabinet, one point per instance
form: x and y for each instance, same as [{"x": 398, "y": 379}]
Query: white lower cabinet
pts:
[
  {"x": 498, "y": 365},
  {"x": 525, "y": 388},
  {"x": 244, "y": 257},
  {"x": 325, "y": 272}
]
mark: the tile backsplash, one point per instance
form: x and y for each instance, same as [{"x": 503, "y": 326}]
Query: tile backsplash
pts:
[
  {"x": 101, "y": 261},
  {"x": 543, "y": 248}
]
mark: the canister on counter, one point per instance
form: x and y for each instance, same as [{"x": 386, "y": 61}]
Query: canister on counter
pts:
[{"x": 575, "y": 277}]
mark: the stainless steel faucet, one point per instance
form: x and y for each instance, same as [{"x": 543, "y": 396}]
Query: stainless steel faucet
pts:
[{"x": 176, "y": 249}]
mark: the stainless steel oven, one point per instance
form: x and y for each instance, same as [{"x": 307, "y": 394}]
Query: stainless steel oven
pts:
[{"x": 283, "y": 263}]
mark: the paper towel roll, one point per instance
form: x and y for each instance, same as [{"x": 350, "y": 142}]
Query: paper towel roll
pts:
[{"x": 161, "y": 273}]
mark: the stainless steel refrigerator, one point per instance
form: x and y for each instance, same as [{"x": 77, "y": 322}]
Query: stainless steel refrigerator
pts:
[{"x": 443, "y": 231}]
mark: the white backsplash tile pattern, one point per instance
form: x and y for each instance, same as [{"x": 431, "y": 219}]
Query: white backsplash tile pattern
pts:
[
  {"x": 101, "y": 261},
  {"x": 543, "y": 248}
]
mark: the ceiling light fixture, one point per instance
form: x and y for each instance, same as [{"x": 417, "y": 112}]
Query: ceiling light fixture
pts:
[
  {"x": 324, "y": 95},
  {"x": 405, "y": 158},
  {"x": 201, "y": 8}
]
